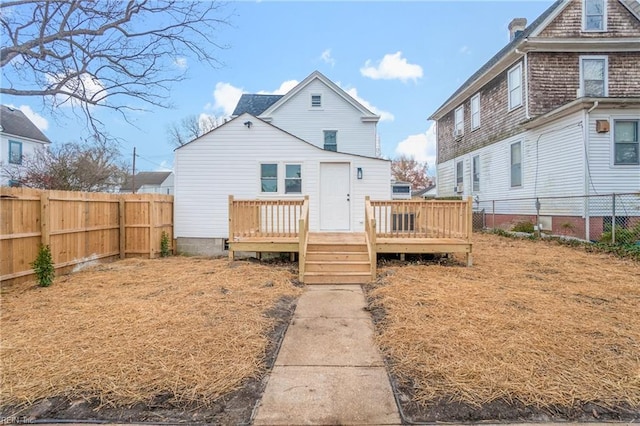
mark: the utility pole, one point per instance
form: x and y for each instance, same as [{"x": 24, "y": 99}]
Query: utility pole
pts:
[{"x": 133, "y": 176}]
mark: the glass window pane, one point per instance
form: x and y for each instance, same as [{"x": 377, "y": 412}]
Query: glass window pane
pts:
[
  {"x": 515, "y": 97},
  {"x": 593, "y": 69},
  {"x": 293, "y": 186},
  {"x": 293, "y": 171},
  {"x": 516, "y": 175},
  {"x": 594, "y": 23},
  {"x": 594, "y": 88},
  {"x": 626, "y": 131},
  {"x": 626, "y": 153},
  {"x": 594, "y": 7},
  {"x": 269, "y": 170},
  {"x": 269, "y": 185}
]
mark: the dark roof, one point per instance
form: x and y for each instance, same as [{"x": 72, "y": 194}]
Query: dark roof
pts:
[
  {"x": 255, "y": 104},
  {"x": 423, "y": 191},
  {"x": 144, "y": 178},
  {"x": 14, "y": 122},
  {"x": 503, "y": 52}
]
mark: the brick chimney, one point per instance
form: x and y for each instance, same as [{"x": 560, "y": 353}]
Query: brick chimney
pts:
[{"x": 516, "y": 27}]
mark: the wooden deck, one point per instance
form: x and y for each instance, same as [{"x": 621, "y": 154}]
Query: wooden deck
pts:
[{"x": 349, "y": 257}]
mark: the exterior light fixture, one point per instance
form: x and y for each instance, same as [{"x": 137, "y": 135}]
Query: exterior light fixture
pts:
[
  {"x": 359, "y": 173},
  {"x": 248, "y": 124}
]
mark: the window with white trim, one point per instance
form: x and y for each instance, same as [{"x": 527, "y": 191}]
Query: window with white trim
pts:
[
  {"x": 316, "y": 101},
  {"x": 331, "y": 140},
  {"x": 514, "y": 77},
  {"x": 476, "y": 173},
  {"x": 458, "y": 128},
  {"x": 594, "y": 15},
  {"x": 293, "y": 179},
  {"x": 269, "y": 177},
  {"x": 15, "y": 152},
  {"x": 459, "y": 173},
  {"x": 594, "y": 76},
  {"x": 475, "y": 112},
  {"x": 516, "y": 164},
  {"x": 626, "y": 146}
]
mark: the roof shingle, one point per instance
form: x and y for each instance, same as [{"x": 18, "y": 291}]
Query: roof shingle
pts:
[
  {"x": 15, "y": 122},
  {"x": 254, "y": 104}
]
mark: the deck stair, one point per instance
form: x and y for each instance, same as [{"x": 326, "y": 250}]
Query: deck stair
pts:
[{"x": 337, "y": 258}]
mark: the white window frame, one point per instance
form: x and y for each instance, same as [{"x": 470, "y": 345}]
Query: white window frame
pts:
[
  {"x": 510, "y": 89},
  {"x": 511, "y": 164},
  {"x": 459, "y": 172},
  {"x": 458, "y": 124},
  {"x": 11, "y": 151},
  {"x": 475, "y": 172},
  {"x": 613, "y": 141},
  {"x": 606, "y": 73},
  {"x": 584, "y": 18},
  {"x": 287, "y": 178},
  {"x": 313, "y": 95},
  {"x": 324, "y": 140},
  {"x": 475, "y": 113},
  {"x": 277, "y": 177}
]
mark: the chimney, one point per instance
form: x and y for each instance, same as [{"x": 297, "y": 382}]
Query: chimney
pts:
[{"x": 516, "y": 27}]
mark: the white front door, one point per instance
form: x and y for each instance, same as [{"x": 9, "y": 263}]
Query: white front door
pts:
[{"x": 335, "y": 197}]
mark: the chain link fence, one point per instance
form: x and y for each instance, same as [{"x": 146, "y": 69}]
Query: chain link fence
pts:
[{"x": 610, "y": 218}]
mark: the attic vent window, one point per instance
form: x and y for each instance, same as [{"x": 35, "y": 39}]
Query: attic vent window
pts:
[{"x": 316, "y": 101}]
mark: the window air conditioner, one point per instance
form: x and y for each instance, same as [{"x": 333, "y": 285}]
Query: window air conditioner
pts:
[{"x": 458, "y": 189}]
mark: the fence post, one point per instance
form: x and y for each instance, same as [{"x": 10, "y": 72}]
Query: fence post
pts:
[
  {"x": 152, "y": 228},
  {"x": 538, "y": 217},
  {"x": 613, "y": 220},
  {"x": 587, "y": 219},
  {"x": 493, "y": 213},
  {"x": 45, "y": 212},
  {"x": 121, "y": 216},
  {"x": 231, "y": 226}
]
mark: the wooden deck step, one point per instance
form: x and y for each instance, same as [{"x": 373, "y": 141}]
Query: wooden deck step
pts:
[
  {"x": 337, "y": 278},
  {"x": 357, "y": 256},
  {"x": 338, "y": 266},
  {"x": 332, "y": 247}
]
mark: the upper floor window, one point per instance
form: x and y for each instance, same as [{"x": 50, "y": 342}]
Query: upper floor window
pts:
[
  {"x": 594, "y": 15},
  {"x": 269, "y": 177},
  {"x": 593, "y": 76},
  {"x": 458, "y": 129},
  {"x": 516, "y": 164},
  {"x": 316, "y": 101},
  {"x": 626, "y": 146},
  {"x": 293, "y": 179},
  {"x": 15, "y": 152},
  {"x": 331, "y": 140},
  {"x": 515, "y": 87},
  {"x": 476, "y": 173},
  {"x": 475, "y": 112}
]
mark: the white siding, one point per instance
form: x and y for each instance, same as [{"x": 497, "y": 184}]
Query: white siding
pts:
[
  {"x": 296, "y": 116},
  {"x": 227, "y": 162},
  {"x": 29, "y": 148}
]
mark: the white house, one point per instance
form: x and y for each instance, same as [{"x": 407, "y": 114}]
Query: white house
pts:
[
  {"x": 316, "y": 140},
  {"x": 149, "y": 183},
  {"x": 19, "y": 138}
]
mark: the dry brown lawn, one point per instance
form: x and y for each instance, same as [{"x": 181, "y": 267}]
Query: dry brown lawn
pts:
[
  {"x": 128, "y": 331},
  {"x": 531, "y": 321}
]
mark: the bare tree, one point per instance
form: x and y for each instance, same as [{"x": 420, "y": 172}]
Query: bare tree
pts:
[
  {"x": 408, "y": 169},
  {"x": 106, "y": 54},
  {"x": 73, "y": 166},
  {"x": 190, "y": 128}
]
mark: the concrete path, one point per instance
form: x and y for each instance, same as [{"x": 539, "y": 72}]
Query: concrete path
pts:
[{"x": 328, "y": 371}]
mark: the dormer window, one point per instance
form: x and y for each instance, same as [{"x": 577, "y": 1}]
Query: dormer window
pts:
[
  {"x": 594, "y": 15},
  {"x": 316, "y": 101}
]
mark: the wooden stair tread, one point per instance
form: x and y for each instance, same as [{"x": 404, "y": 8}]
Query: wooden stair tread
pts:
[{"x": 333, "y": 273}]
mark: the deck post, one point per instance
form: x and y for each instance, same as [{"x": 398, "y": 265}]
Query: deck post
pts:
[
  {"x": 469, "y": 229},
  {"x": 231, "y": 229}
]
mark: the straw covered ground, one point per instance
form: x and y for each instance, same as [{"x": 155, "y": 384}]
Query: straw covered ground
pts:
[
  {"x": 534, "y": 330},
  {"x": 177, "y": 332}
]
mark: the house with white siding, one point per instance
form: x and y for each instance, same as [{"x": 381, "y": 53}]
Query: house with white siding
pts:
[
  {"x": 314, "y": 141},
  {"x": 555, "y": 113}
]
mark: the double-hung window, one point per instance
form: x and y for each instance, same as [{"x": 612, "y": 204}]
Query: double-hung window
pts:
[
  {"x": 459, "y": 173},
  {"x": 293, "y": 179},
  {"x": 331, "y": 140},
  {"x": 475, "y": 112},
  {"x": 269, "y": 177},
  {"x": 458, "y": 128},
  {"x": 514, "y": 77},
  {"x": 476, "y": 173},
  {"x": 15, "y": 152},
  {"x": 516, "y": 164},
  {"x": 626, "y": 146},
  {"x": 593, "y": 76},
  {"x": 594, "y": 15}
]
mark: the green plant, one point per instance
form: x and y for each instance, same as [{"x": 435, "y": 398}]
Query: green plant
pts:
[
  {"x": 43, "y": 266},
  {"x": 567, "y": 228},
  {"x": 165, "y": 245},
  {"x": 623, "y": 235},
  {"x": 523, "y": 226}
]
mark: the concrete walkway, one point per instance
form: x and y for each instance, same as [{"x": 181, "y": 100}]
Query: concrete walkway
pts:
[{"x": 328, "y": 371}]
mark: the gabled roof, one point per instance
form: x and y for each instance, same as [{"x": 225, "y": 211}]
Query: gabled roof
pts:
[
  {"x": 144, "y": 178},
  {"x": 14, "y": 122},
  {"x": 633, "y": 6},
  {"x": 317, "y": 75},
  {"x": 254, "y": 104},
  {"x": 423, "y": 191}
]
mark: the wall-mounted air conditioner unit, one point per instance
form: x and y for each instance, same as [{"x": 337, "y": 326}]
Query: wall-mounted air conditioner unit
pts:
[
  {"x": 458, "y": 133},
  {"x": 458, "y": 189}
]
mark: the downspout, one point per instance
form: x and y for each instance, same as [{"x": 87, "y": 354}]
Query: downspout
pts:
[{"x": 587, "y": 171}]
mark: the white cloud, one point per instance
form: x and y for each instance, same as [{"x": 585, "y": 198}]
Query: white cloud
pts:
[
  {"x": 392, "y": 67},
  {"x": 465, "y": 50},
  {"x": 226, "y": 97},
  {"x": 384, "y": 115},
  {"x": 39, "y": 121},
  {"x": 422, "y": 147},
  {"x": 164, "y": 166},
  {"x": 283, "y": 89},
  {"x": 85, "y": 86},
  {"x": 327, "y": 58},
  {"x": 180, "y": 62}
]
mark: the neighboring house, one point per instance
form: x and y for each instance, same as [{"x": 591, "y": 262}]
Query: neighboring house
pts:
[
  {"x": 400, "y": 190},
  {"x": 556, "y": 112},
  {"x": 316, "y": 140},
  {"x": 428, "y": 192},
  {"x": 150, "y": 183},
  {"x": 19, "y": 138}
]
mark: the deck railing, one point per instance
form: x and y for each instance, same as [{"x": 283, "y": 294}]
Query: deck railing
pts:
[
  {"x": 266, "y": 218},
  {"x": 303, "y": 231},
  {"x": 420, "y": 218},
  {"x": 370, "y": 235}
]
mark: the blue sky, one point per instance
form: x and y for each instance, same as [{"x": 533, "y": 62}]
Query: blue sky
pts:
[{"x": 403, "y": 59}]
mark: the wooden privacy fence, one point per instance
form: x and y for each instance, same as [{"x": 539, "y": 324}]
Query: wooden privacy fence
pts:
[
  {"x": 79, "y": 227},
  {"x": 421, "y": 219}
]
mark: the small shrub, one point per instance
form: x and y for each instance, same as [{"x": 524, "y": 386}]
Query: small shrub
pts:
[
  {"x": 523, "y": 227},
  {"x": 623, "y": 236},
  {"x": 165, "y": 245},
  {"x": 43, "y": 267},
  {"x": 567, "y": 228}
]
